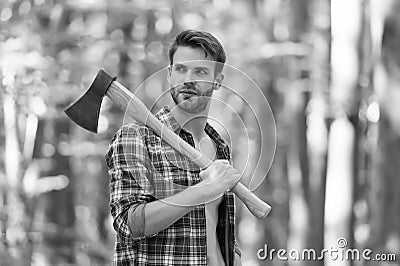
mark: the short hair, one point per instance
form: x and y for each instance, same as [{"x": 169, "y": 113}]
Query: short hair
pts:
[{"x": 199, "y": 39}]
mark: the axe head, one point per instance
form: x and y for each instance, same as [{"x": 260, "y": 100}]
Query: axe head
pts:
[{"x": 85, "y": 111}]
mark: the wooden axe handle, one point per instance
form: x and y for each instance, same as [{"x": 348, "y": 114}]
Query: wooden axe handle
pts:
[{"x": 137, "y": 110}]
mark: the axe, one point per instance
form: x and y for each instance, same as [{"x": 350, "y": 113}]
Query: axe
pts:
[{"x": 85, "y": 112}]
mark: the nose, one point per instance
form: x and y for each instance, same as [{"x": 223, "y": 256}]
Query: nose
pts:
[
  {"x": 189, "y": 78},
  {"x": 189, "y": 84}
]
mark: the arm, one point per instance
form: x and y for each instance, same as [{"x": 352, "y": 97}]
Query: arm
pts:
[
  {"x": 134, "y": 216},
  {"x": 160, "y": 214},
  {"x": 129, "y": 173}
]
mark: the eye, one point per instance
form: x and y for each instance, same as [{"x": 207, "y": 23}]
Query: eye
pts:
[
  {"x": 180, "y": 68},
  {"x": 201, "y": 72}
]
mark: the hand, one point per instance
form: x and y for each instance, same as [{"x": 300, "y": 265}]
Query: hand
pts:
[{"x": 219, "y": 177}]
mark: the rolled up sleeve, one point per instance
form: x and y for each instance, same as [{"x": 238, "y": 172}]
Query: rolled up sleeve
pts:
[{"x": 130, "y": 174}]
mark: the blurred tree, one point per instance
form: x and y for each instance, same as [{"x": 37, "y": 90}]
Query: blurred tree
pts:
[
  {"x": 318, "y": 121},
  {"x": 297, "y": 96},
  {"x": 385, "y": 184},
  {"x": 59, "y": 235},
  {"x": 20, "y": 65},
  {"x": 362, "y": 168},
  {"x": 345, "y": 98},
  {"x": 50, "y": 50}
]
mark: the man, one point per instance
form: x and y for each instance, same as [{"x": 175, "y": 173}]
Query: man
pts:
[{"x": 166, "y": 211}]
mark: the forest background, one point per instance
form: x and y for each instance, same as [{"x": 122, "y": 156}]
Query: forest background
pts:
[{"x": 329, "y": 69}]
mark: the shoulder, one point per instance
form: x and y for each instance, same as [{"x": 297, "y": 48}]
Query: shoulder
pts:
[
  {"x": 129, "y": 131},
  {"x": 128, "y": 137}
]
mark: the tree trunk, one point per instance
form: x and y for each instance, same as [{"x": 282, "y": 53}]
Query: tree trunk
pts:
[
  {"x": 13, "y": 206},
  {"x": 60, "y": 235},
  {"x": 343, "y": 134},
  {"x": 319, "y": 121},
  {"x": 385, "y": 183}
]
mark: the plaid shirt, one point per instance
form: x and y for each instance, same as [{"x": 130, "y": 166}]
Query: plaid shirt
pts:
[{"x": 144, "y": 168}]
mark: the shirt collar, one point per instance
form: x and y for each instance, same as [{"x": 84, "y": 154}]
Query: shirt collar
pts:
[{"x": 164, "y": 115}]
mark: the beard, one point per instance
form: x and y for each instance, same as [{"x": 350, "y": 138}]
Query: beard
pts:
[{"x": 190, "y": 99}]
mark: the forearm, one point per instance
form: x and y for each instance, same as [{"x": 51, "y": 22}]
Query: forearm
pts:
[
  {"x": 156, "y": 216},
  {"x": 160, "y": 214}
]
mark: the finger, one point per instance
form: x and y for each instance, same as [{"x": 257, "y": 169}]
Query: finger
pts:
[
  {"x": 201, "y": 174},
  {"x": 223, "y": 166}
]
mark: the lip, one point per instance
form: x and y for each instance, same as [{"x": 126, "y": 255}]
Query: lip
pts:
[{"x": 189, "y": 92}]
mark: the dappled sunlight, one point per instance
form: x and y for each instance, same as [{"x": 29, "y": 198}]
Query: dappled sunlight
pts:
[{"x": 309, "y": 107}]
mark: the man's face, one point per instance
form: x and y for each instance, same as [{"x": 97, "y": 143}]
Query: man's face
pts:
[{"x": 192, "y": 79}]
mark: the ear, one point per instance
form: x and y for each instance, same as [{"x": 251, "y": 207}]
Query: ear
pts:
[
  {"x": 218, "y": 80},
  {"x": 169, "y": 74}
]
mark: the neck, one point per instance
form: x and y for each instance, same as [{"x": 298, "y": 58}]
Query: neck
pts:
[{"x": 193, "y": 123}]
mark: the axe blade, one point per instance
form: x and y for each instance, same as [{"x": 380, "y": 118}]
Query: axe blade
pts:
[{"x": 85, "y": 111}]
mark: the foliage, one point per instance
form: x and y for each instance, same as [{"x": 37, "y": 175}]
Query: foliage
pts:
[{"x": 53, "y": 179}]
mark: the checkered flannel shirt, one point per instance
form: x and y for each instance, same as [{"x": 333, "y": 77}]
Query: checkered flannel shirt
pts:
[{"x": 144, "y": 168}]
